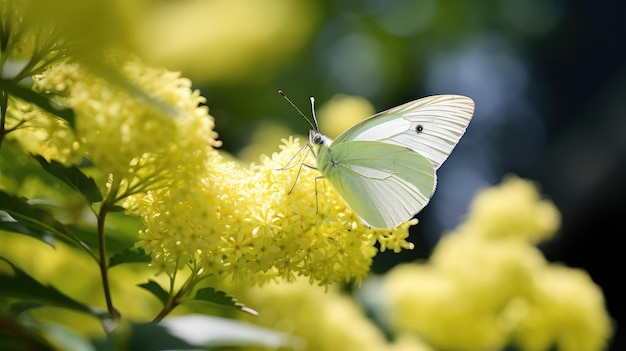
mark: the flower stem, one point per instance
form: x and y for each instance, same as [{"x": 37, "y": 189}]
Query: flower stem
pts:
[
  {"x": 103, "y": 259},
  {"x": 4, "y": 103},
  {"x": 173, "y": 303},
  {"x": 103, "y": 262}
]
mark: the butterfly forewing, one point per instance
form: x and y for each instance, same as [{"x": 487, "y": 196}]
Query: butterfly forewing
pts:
[
  {"x": 430, "y": 126},
  {"x": 384, "y": 184}
]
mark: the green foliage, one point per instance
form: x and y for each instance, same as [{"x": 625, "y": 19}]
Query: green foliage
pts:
[
  {"x": 18, "y": 284},
  {"x": 156, "y": 290},
  {"x": 7, "y": 223},
  {"x": 128, "y": 255},
  {"x": 73, "y": 177},
  {"x": 221, "y": 299},
  {"x": 75, "y": 209},
  {"x": 32, "y": 220}
]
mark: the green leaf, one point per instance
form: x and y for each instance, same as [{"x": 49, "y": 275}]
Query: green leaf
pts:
[
  {"x": 129, "y": 255},
  {"x": 153, "y": 337},
  {"x": 9, "y": 224},
  {"x": 156, "y": 290},
  {"x": 40, "y": 100},
  {"x": 73, "y": 177},
  {"x": 22, "y": 306},
  {"x": 144, "y": 337},
  {"x": 115, "y": 208},
  {"x": 221, "y": 299},
  {"x": 39, "y": 222},
  {"x": 22, "y": 286}
]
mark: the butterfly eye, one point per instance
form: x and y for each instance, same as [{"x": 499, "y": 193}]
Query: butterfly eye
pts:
[
  {"x": 317, "y": 139},
  {"x": 419, "y": 128}
]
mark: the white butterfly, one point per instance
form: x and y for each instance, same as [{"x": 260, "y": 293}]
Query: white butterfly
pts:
[{"x": 384, "y": 167}]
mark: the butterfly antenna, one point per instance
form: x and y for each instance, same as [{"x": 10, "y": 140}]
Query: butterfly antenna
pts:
[
  {"x": 317, "y": 127},
  {"x": 300, "y": 112}
]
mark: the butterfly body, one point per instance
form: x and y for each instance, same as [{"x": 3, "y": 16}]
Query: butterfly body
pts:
[{"x": 384, "y": 167}]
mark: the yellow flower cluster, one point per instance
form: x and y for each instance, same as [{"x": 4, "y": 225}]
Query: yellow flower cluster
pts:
[
  {"x": 42, "y": 134},
  {"x": 120, "y": 130},
  {"x": 514, "y": 209},
  {"x": 325, "y": 319},
  {"x": 342, "y": 112},
  {"x": 243, "y": 223},
  {"x": 319, "y": 318},
  {"x": 484, "y": 288},
  {"x": 197, "y": 207}
]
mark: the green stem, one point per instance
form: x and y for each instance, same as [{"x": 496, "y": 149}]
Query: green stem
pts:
[
  {"x": 103, "y": 259},
  {"x": 174, "y": 302},
  {"x": 185, "y": 290},
  {"x": 4, "y": 103},
  {"x": 103, "y": 262}
]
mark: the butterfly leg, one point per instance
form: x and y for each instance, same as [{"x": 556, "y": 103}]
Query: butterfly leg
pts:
[
  {"x": 287, "y": 165},
  {"x": 316, "y": 194},
  {"x": 298, "y": 176},
  {"x": 301, "y": 164}
]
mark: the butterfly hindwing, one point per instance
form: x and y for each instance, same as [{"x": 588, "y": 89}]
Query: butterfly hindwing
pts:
[
  {"x": 431, "y": 126},
  {"x": 384, "y": 184}
]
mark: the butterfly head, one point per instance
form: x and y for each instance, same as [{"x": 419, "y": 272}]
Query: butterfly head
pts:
[{"x": 317, "y": 138}]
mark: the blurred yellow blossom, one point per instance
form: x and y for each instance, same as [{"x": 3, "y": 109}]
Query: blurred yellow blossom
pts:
[
  {"x": 482, "y": 291},
  {"x": 342, "y": 112},
  {"x": 566, "y": 313},
  {"x": 42, "y": 134},
  {"x": 219, "y": 40},
  {"x": 326, "y": 319},
  {"x": 262, "y": 141},
  {"x": 433, "y": 306},
  {"x": 513, "y": 209},
  {"x": 253, "y": 38},
  {"x": 409, "y": 342},
  {"x": 490, "y": 272}
]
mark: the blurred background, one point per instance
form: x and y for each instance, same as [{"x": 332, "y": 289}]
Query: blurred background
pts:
[{"x": 548, "y": 78}]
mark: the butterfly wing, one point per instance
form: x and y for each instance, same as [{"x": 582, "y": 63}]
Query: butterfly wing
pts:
[
  {"x": 431, "y": 126},
  {"x": 384, "y": 184}
]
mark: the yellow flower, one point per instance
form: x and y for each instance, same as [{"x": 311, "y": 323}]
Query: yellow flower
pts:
[
  {"x": 409, "y": 342},
  {"x": 136, "y": 141},
  {"x": 566, "y": 312},
  {"x": 117, "y": 127},
  {"x": 443, "y": 312},
  {"x": 342, "y": 112},
  {"x": 489, "y": 271},
  {"x": 244, "y": 223},
  {"x": 325, "y": 319},
  {"x": 513, "y": 209},
  {"x": 484, "y": 289},
  {"x": 42, "y": 134},
  {"x": 253, "y": 39}
]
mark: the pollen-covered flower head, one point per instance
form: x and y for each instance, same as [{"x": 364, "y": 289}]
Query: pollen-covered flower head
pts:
[
  {"x": 245, "y": 223},
  {"x": 41, "y": 133},
  {"x": 120, "y": 128}
]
